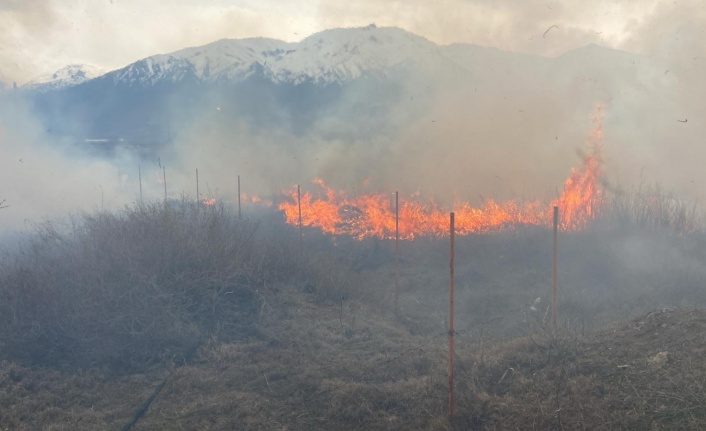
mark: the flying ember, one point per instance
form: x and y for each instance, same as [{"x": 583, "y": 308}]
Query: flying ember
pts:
[{"x": 374, "y": 215}]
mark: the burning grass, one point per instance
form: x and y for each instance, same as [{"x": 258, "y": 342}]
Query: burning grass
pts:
[
  {"x": 377, "y": 215},
  {"x": 247, "y": 332}
]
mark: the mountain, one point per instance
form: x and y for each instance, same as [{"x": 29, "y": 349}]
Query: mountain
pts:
[
  {"x": 346, "y": 84},
  {"x": 330, "y": 57},
  {"x": 68, "y": 76},
  {"x": 360, "y": 73}
]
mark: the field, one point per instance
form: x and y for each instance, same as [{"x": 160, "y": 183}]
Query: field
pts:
[{"x": 183, "y": 317}]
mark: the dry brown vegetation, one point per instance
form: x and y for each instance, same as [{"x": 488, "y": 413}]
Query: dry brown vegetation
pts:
[
  {"x": 226, "y": 324},
  {"x": 644, "y": 374}
]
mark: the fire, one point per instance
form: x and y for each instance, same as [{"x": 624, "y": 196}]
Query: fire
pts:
[
  {"x": 582, "y": 196},
  {"x": 255, "y": 200},
  {"x": 209, "y": 201},
  {"x": 373, "y": 215}
]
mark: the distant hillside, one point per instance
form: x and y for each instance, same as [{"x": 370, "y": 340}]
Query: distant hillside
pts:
[{"x": 337, "y": 84}]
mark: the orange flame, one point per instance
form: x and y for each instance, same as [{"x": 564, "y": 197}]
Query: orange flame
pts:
[
  {"x": 373, "y": 215},
  {"x": 254, "y": 199},
  {"x": 582, "y": 196},
  {"x": 209, "y": 202}
]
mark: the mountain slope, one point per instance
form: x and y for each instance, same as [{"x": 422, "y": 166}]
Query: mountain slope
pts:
[
  {"x": 347, "y": 84},
  {"x": 233, "y": 59},
  {"x": 331, "y": 56},
  {"x": 358, "y": 73}
]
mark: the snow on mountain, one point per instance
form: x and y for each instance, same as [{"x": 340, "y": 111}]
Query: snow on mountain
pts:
[
  {"x": 222, "y": 59},
  {"x": 68, "y": 76},
  {"x": 327, "y": 57},
  {"x": 344, "y": 54}
]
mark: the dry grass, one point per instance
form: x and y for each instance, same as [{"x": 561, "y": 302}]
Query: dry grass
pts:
[
  {"x": 141, "y": 286},
  {"x": 649, "y": 207},
  {"x": 247, "y": 332},
  {"x": 647, "y": 374},
  {"x": 306, "y": 372}
]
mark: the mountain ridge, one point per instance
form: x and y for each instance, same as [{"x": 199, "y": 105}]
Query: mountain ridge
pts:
[
  {"x": 332, "y": 56},
  {"x": 345, "y": 83}
]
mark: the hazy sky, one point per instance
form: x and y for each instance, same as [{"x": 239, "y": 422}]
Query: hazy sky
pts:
[{"x": 41, "y": 36}]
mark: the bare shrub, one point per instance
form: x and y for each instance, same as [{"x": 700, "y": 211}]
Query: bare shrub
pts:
[
  {"x": 134, "y": 287},
  {"x": 650, "y": 207}
]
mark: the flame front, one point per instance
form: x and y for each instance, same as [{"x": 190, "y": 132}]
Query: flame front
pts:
[
  {"x": 582, "y": 197},
  {"x": 373, "y": 215}
]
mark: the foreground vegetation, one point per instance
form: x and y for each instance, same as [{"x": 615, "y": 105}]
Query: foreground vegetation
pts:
[
  {"x": 129, "y": 289},
  {"x": 228, "y": 324}
]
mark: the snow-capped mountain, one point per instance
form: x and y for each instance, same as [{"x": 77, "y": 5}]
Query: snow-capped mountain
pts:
[
  {"x": 331, "y": 56},
  {"x": 222, "y": 59},
  {"x": 351, "y": 83},
  {"x": 69, "y": 76}
]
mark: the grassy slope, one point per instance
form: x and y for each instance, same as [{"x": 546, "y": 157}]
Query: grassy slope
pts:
[
  {"x": 308, "y": 372},
  {"x": 310, "y": 342}
]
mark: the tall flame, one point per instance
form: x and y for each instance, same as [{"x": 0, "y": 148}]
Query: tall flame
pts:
[
  {"x": 373, "y": 215},
  {"x": 582, "y": 196}
]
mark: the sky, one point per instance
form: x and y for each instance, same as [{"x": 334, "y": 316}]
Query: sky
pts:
[{"x": 42, "y": 36}]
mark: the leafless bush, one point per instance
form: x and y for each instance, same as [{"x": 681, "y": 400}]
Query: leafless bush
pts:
[
  {"x": 649, "y": 207},
  {"x": 130, "y": 288}
]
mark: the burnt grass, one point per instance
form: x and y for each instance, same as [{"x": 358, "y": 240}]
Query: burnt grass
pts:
[{"x": 226, "y": 324}]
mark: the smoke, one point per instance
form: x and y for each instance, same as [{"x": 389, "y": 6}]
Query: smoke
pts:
[
  {"x": 446, "y": 143},
  {"x": 507, "y": 24},
  {"x": 39, "y": 181},
  {"x": 666, "y": 127},
  {"x": 504, "y": 126}
]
